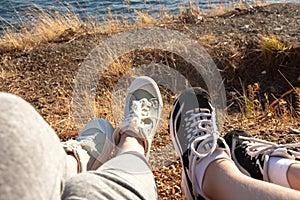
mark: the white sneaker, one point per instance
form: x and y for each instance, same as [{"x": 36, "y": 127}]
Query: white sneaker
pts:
[
  {"x": 143, "y": 106},
  {"x": 93, "y": 146}
]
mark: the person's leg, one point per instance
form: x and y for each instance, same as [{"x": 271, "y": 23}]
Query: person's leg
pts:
[
  {"x": 128, "y": 175},
  {"x": 208, "y": 171},
  {"x": 33, "y": 163},
  {"x": 223, "y": 181},
  {"x": 265, "y": 160},
  {"x": 293, "y": 176}
]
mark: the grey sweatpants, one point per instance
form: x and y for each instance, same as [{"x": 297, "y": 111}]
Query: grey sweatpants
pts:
[{"x": 33, "y": 165}]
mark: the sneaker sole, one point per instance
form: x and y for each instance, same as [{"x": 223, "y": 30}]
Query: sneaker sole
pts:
[{"x": 184, "y": 185}]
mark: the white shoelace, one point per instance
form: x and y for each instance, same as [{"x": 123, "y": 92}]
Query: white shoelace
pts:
[
  {"x": 72, "y": 144},
  {"x": 257, "y": 147},
  {"x": 140, "y": 110},
  {"x": 201, "y": 135}
]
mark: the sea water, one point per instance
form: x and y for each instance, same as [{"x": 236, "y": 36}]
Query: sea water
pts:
[{"x": 14, "y": 11}]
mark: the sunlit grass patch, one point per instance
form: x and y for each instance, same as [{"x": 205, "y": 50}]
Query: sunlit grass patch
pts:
[
  {"x": 273, "y": 51},
  {"x": 40, "y": 26},
  {"x": 144, "y": 19}
]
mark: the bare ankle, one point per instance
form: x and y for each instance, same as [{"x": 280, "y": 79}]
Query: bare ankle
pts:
[{"x": 129, "y": 143}]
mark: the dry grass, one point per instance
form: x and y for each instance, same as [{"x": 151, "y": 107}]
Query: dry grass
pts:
[
  {"x": 297, "y": 91},
  {"x": 273, "y": 43},
  {"x": 277, "y": 122},
  {"x": 110, "y": 24},
  {"x": 40, "y": 27},
  {"x": 144, "y": 19},
  {"x": 221, "y": 8},
  {"x": 273, "y": 51},
  {"x": 254, "y": 111},
  {"x": 194, "y": 8},
  {"x": 249, "y": 101}
]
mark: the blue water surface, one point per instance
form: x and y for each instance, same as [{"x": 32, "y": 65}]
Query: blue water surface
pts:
[{"x": 14, "y": 11}]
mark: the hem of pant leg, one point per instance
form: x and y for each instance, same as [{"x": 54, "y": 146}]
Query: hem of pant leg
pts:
[{"x": 141, "y": 156}]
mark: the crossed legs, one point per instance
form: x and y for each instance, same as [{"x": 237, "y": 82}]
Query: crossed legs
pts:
[{"x": 223, "y": 181}]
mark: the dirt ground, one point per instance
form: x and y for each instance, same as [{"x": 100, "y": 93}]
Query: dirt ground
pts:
[{"x": 45, "y": 76}]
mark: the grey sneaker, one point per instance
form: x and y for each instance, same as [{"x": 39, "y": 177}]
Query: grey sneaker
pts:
[
  {"x": 93, "y": 145},
  {"x": 195, "y": 136},
  {"x": 143, "y": 106}
]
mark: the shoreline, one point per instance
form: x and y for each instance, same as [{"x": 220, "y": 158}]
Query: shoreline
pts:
[
  {"x": 40, "y": 26},
  {"x": 101, "y": 11}
]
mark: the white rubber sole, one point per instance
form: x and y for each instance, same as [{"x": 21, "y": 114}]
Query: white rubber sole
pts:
[{"x": 184, "y": 185}]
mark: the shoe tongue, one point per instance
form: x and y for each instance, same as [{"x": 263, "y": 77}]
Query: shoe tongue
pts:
[
  {"x": 194, "y": 101},
  {"x": 141, "y": 94},
  {"x": 205, "y": 147}
]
